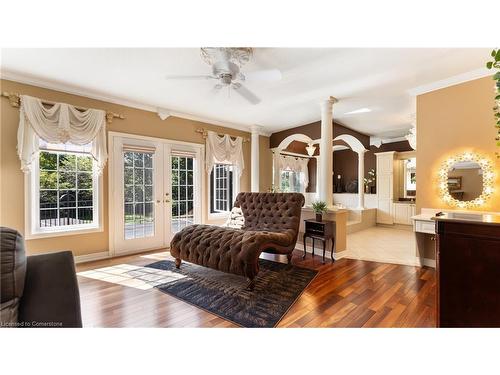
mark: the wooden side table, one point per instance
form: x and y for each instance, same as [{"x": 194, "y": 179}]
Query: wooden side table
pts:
[{"x": 319, "y": 230}]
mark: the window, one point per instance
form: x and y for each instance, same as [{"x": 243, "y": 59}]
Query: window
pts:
[
  {"x": 410, "y": 182},
  {"x": 64, "y": 190},
  {"x": 223, "y": 188},
  {"x": 291, "y": 182}
]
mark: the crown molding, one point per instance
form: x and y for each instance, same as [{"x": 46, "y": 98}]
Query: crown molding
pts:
[
  {"x": 74, "y": 90},
  {"x": 450, "y": 81}
]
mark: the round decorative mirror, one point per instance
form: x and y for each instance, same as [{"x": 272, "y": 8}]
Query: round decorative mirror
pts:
[{"x": 466, "y": 180}]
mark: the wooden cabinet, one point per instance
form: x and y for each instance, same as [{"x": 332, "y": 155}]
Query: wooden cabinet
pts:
[{"x": 468, "y": 265}]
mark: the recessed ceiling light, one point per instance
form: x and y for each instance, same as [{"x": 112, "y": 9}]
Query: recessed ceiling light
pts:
[{"x": 361, "y": 110}]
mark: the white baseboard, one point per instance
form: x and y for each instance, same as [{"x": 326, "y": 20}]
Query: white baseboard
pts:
[
  {"x": 317, "y": 251},
  {"x": 429, "y": 262},
  {"x": 91, "y": 257},
  {"x": 419, "y": 262}
]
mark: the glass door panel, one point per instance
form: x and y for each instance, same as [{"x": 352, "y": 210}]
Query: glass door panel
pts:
[
  {"x": 138, "y": 209},
  {"x": 182, "y": 213},
  {"x": 139, "y": 215}
]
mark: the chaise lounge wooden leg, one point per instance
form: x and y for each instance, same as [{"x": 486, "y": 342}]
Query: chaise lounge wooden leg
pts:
[
  {"x": 289, "y": 258},
  {"x": 178, "y": 262},
  {"x": 251, "y": 284}
]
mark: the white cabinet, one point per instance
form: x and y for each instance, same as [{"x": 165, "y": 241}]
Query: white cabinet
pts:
[
  {"x": 385, "y": 186},
  {"x": 403, "y": 213},
  {"x": 425, "y": 226}
]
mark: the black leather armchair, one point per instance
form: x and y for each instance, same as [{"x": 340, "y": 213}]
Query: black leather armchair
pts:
[{"x": 39, "y": 290}]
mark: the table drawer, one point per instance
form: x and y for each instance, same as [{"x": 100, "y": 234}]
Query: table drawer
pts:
[{"x": 425, "y": 226}]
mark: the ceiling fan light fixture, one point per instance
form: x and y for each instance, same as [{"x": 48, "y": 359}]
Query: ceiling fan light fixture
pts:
[{"x": 310, "y": 149}]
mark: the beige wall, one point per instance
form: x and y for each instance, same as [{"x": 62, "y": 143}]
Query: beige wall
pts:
[
  {"x": 136, "y": 122},
  {"x": 450, "y": 121}
]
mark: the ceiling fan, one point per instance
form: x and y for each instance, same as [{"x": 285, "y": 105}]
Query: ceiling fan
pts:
[{"x": 226, "y": 64}]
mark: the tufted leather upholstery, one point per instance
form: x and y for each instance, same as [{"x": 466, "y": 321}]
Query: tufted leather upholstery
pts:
[{"x": 271, "y": 224}]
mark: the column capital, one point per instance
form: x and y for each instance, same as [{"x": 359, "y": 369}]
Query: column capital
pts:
[
  {"x": 328, "y": 103},
  {"x": 256, "y": 129}
]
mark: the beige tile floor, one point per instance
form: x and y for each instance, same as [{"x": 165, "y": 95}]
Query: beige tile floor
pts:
[{"x": 382, "y": 244}]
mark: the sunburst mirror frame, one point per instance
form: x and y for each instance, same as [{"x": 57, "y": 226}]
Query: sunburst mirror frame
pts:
[{"x": 488, "y": 180}]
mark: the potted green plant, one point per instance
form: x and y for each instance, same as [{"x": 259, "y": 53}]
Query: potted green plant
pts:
[{"x": 319, "y": 208}]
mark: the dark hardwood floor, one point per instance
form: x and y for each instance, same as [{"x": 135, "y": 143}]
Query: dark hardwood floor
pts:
[{"x": 348, "y": 293}]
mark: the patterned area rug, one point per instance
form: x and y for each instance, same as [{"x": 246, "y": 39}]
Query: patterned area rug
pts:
[{"x": 277, "y": 287}]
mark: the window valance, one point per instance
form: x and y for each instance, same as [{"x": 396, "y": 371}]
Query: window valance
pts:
[
  {"x": 225, "y": 150},
  {"x": 61, "y": 123},
  {"x": 294, "y": 164}
]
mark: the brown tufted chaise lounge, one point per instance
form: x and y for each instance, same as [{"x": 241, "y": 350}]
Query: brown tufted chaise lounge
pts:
[{"x": 271, "y": 225}]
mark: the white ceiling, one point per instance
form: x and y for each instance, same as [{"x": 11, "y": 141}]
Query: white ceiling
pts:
[{"x": 378, "y": 79}]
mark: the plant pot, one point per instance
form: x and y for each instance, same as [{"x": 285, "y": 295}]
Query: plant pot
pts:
[
  {"x": 319, "y": 217},
  {"x": 367, "y": 190}
]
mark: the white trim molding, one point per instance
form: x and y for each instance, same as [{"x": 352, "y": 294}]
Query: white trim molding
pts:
[
  {"x": 75, "y": 90},
  {"x": 451, "y": 81},
  {"x": 92, "y": 257}
]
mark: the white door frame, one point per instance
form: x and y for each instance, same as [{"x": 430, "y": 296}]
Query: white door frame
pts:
[
  {"x": 173, "y": 147},
  {"x": 167, "y": 145}
]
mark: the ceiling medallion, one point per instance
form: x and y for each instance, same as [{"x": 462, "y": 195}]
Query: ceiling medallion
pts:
[{"x": 239, "y": 55}]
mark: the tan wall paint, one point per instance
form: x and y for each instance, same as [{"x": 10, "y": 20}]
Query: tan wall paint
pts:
[
  {"x": 451, "y": 121},
  {"x": 136, "y": 122}
]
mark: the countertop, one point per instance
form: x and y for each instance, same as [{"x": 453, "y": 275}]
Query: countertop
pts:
[
  {"x": 423, "y": 217},
  {"x": 487, "y": 219}
]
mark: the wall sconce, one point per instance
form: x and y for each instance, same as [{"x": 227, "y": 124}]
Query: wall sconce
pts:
[{"x": 310, "y": 149}]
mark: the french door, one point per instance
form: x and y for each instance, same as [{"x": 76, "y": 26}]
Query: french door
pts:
[{"x": 155, "y": 191}]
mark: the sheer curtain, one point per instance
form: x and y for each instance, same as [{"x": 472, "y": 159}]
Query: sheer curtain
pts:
[
  {"x": 61, "y": 123},
  {"x": 224, "y": 150},
  {"x": 295, "y": 164}
]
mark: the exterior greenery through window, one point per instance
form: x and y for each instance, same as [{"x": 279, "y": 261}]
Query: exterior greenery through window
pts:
[
  {"x": 290, "y": 182},
  {"x": 182, "y": 192},
  {"x": 138, "y": 194},
  {"x": 66, "y": 189},
  {"x": 222, "y": 188}
]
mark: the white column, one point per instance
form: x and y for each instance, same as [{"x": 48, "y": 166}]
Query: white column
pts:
[
  {"x": 255, "y": 159},
  {"x": 361, "y": 176},
  {"x": 325, "y": 186},
  {"x": 276, "y": 172}
]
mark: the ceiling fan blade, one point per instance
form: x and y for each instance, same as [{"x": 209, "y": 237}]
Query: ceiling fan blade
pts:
[
  {"x": 189, "y": 77},
  {"x": 246, "y": 93},
  {"x": 263, "y": 75}
]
